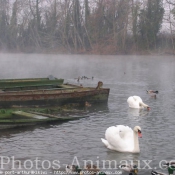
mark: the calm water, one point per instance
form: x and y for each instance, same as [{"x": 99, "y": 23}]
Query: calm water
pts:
[{"x": 80, "y": 140}]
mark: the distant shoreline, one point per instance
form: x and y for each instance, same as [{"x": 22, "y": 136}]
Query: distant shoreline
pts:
[{"x": 91, "y": 52}]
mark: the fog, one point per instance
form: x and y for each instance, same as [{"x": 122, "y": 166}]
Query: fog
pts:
[{"x": 38, "y": 65}]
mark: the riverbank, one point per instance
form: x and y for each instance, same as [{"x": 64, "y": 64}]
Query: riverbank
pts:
[{"x": 96, "y": 50}]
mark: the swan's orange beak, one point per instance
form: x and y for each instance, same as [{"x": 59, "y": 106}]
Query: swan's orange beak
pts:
[{"x": 139, "y": 134}]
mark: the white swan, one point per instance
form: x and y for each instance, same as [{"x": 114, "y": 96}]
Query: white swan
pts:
[
  {"x": 136, "y": 102},
  {"x": 122, "y": 138}
]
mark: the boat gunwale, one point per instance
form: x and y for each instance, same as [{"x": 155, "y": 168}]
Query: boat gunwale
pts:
[
  {"x": 53, "y": 91},
  {"x": 5, "y": 90},
  {"x": 28, "y": 80},
  {"x": 29, "y": 83}
]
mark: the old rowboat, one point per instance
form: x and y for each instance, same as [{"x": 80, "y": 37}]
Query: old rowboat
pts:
[
  {"x": 16, "y": 118},
  {"x": 29, "y": 83},
  {"x": 59, "y": 95}
]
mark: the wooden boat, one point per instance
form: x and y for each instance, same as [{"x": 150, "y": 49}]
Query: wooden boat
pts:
[
  {"x": 20, "y": 118},
  {"x": 60, "y": 95},
  {"x": 29, "y": 83},
  {"x": 53, "y": 85},
  {"x": 18, "y": 104}
]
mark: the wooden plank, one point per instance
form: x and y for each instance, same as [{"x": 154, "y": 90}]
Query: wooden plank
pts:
[
  {"x": 43, "y": 114},
  {"x": 58, "y": 117},
  {"x": 8, "y": 83},
  {"x": 27, "y": 114},
  {"x": 38, "y": 115}
]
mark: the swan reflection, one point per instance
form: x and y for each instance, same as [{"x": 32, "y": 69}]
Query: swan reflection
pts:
[{"x": 137, "y": 112}]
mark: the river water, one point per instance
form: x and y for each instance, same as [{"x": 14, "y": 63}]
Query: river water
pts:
[{"x": 50, "y": 147}]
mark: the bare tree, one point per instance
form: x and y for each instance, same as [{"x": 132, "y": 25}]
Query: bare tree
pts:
[
  {"x": 170, "y": 20},
  {"x": 4, "y": 24}
]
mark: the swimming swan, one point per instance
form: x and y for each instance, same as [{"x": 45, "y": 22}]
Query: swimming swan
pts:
[
  {"x": 122, "y": 138},
  {"x": 136, "y": 102}
]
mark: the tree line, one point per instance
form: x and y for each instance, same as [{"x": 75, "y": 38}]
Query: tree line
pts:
[{"x": 87, "y": 26}]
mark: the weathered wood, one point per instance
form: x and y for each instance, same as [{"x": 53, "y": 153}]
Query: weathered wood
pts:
[
  {"x": 54, "y": 116},
  {"x": 54, "y": 97},
  {"x": 9, "y": 83},
  {"x": 21, "y": 118},
  {"x": 38, "y": 115},
  {"x": 43, "y": 114},
  {"x": 27, "y": 114}
]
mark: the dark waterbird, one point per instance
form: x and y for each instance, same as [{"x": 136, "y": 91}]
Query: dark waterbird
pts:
[
  {"x": 152, "y": 93},
  {"x": 170, "y": 167},
  {"x": 132, "y": 169},
  {"x": 89, "y": 170}
]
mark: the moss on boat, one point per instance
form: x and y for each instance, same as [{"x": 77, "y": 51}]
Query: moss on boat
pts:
[
  {"x": 29, "y": 82},
  {"x": 17, "y": 117}
]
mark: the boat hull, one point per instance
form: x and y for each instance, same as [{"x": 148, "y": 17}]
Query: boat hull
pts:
[
  {"x": 21, "y": 121},
  {"x": 51, "y": 97}
]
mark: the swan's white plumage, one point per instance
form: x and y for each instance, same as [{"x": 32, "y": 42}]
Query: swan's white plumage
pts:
[
  {"x": 136, "y": 102},
  {"x": 121, "y": 138}
]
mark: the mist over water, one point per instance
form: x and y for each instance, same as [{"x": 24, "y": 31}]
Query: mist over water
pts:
[{"x": 125, "y": 76}]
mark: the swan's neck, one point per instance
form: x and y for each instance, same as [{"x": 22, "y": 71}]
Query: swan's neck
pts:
[
  {"x": 143, "y": 104},
  {"x": 136, "y": 143}
]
